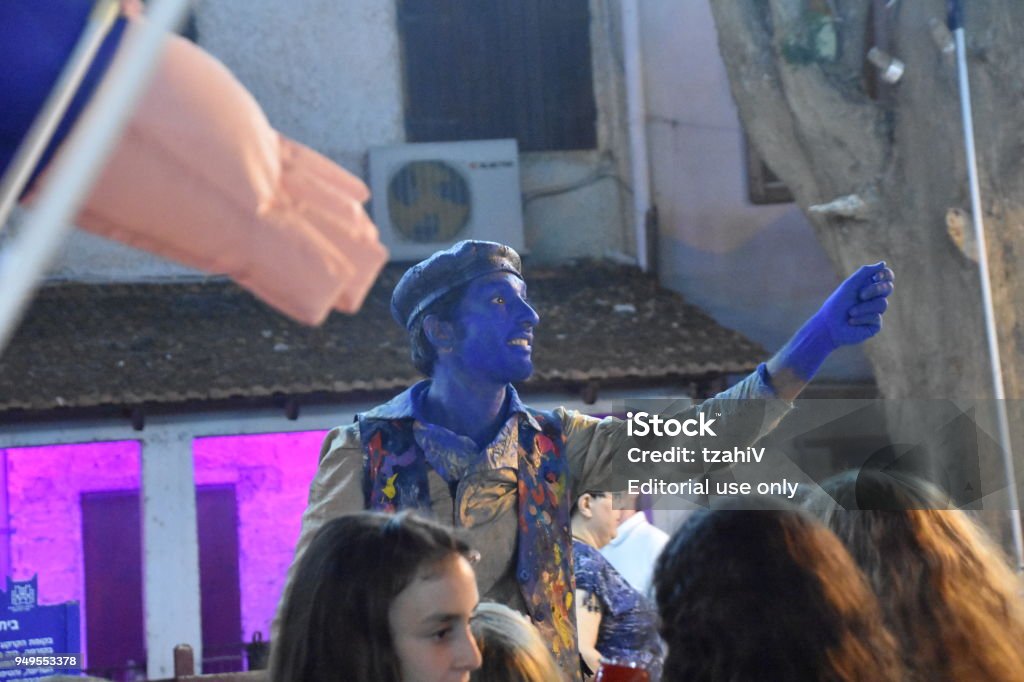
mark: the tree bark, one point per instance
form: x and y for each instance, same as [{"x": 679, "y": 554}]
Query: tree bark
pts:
[{"x": 829, "y": 128}]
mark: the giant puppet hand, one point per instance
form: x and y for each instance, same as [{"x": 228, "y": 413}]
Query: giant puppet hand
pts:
[
  {"x": 200, "y": 176},
  {"x": 852, "y": 314}
]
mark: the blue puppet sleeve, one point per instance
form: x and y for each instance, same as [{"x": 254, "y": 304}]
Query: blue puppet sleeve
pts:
[{"x": 36, "y": 40}]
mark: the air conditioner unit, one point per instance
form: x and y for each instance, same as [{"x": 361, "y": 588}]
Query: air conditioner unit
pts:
[{"x": 427, "y": 196}]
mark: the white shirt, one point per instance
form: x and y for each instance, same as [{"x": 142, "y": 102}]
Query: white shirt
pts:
[{"x": 634, "y": 551}]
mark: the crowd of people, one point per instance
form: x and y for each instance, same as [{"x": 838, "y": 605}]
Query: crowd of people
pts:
[
  {"x": 455, "y": 533},
  {"x": 456, "y": 491},
  {"x": 903, "y": 589}
]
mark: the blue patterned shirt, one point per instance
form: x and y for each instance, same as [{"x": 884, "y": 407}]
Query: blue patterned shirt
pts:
[{"x": 629, "y": 620}]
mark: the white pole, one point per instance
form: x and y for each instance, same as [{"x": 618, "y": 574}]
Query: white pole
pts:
[
  {"x": 636, "y": 112},
  {"x": 32, "y": 147},
  {"x": 27, "y": 256},
  {"x": 992, "y": 334}
]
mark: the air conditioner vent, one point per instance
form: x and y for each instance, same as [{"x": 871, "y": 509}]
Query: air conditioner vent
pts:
[
  {"x": 428, "y": 201},
  {"x": 431, "y": 195}
]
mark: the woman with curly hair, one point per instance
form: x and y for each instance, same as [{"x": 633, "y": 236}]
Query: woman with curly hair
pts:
[
  {"x": 766, "y": 596},
  {"x": 946, "y": 589},
  {"x": 379, "y": 598}
]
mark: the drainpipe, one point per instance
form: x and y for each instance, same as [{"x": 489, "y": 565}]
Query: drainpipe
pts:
[{"x": 636, "y": 111}]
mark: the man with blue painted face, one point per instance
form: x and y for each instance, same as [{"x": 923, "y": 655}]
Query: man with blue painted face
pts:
[{"x": 463, "y": 447}]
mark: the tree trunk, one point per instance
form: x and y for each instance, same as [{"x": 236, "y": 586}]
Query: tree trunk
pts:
[{"x": 829, "y": 127}]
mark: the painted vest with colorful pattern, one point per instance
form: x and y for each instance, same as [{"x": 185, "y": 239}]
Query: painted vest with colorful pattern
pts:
[{"x": 395, "y": 477}]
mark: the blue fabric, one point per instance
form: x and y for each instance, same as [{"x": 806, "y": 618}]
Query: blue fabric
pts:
[
  {"x": 629, "y": 621},
  {"x": 36, "y": 39}
]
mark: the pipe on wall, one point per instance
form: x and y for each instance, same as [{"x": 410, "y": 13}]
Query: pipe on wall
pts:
[{"x": 636, "y": 112}]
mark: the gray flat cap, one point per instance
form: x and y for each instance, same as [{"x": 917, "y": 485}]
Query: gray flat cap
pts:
[{"x": 430, "y": 279}]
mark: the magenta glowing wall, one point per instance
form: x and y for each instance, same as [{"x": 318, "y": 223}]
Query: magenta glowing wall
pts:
[
  {"x": 44, "y": 488},
  {"x": 271, "y": 474}
]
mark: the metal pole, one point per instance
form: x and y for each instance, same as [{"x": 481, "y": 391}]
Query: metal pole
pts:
[
  {"x": 32, "y": 147},
  {"x": 27, "y": 256},
  {"x": 956, "y": 25}
]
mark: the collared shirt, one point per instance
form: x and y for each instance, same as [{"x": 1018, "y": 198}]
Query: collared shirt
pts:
[
  {"x": 460, "y": 453},
  {"x": 485, "y": 502},
  {"x": 634, "y": 551}
]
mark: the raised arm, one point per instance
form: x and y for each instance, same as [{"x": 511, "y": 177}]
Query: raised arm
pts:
[{"x": 754, "y": 406}]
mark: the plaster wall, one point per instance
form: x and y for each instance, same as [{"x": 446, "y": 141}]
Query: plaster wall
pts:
[
  {"x": 757, "y": 269},
  {"x": 330, "y": 75},
  {"x": 44, "y": 488},
  {"x": 270, "y": 472}
]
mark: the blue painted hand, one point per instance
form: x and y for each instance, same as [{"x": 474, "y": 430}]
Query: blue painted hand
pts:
[{"x": 852, "y": 314}]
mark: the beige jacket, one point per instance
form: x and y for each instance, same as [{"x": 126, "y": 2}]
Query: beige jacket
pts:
[{"x": 487, "y": 498}]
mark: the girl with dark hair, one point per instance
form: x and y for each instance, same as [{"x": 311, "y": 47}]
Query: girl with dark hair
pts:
[
  {"x": 379, "y": 598},
  {"x": 946, "y": 590},
  {"x": 765, "y": 596}
]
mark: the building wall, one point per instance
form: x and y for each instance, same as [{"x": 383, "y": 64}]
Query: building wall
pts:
[
  {"x": 757, "y": 269},
  {"x": 44, "y": 489},
  {"x": 329, "y": 74},
  {"x": 271, "y": 474}
]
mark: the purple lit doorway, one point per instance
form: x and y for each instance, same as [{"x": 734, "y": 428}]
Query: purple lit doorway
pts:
[{"x": 112, "y": 558}]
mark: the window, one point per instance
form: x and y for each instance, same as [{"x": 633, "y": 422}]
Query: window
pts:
[{"x": 501, "y": 68}]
